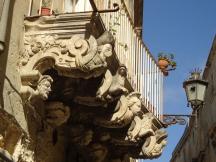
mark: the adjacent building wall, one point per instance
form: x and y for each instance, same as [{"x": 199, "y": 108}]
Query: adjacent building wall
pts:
[
  {"x": 10, "y": 99},
  {"x": 198, "y": 144}
]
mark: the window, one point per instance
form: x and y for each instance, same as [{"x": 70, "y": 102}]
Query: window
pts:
[{"x": 58, "y": 6}]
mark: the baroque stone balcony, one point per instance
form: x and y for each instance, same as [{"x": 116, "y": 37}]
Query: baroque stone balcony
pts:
[{"x": 89, "y": 97}]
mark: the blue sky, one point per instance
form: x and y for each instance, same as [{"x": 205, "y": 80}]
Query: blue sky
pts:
[{"x": 185, "y": 28}]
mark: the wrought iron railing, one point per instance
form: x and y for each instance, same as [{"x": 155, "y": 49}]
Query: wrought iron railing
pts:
[{"x": 143, "y": 72}]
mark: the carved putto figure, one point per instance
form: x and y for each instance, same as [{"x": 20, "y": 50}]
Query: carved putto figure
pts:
[{"x": 90, "y": 55}]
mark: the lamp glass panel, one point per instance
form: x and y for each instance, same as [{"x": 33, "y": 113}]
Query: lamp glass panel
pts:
[
  {"x": 201, "y": 92},
  {"x": 191, "y": 91}
]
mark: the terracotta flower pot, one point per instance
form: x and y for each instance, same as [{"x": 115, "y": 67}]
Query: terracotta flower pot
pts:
[
  {"x": 45, "y": 11},
  {"x": 163, "y": 64}
]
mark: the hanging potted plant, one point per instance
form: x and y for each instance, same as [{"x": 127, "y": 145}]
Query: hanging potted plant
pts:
[
  {"x": 45, "y": 8},
  {"x": 166, "y": 63}
]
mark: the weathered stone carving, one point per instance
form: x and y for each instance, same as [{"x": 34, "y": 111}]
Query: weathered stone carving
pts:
[
  {"x": 80, "y": 135},
  {"x": 56, "y": 113},
  {"x": 113, "y": 86},
  {"x": 23, "y": 152},
  {"x": 40, "y": 90},
  {"x": 126, "y": 109},
  {"x": 96, "y": 56},
  {"x": 75, "y": 57},
  {"x": 10, "y": 133},
  {"x": 1, "y": 141},
  {"x": 141, "y": 127},
  {"x": 98, "y": 152},
  {"x": 153, "y": 146}
]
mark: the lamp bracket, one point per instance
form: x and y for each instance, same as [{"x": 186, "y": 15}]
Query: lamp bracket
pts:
[
  {"x": 181, "y": 119},
  {"x": 115, "y": 9}
]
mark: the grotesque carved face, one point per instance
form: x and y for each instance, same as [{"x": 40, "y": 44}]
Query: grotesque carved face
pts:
[
  {"x": 123, "y": 71},
  {"x": 107, "y": 50},
  {"x": 134, "y": 103},
  {"x": 136, "y": 107},
  {"x": 44, "y": 87}
]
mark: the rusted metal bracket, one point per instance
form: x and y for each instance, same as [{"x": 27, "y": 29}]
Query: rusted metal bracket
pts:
[
  {"x": 115, "y": 8},
  {"x": 171, "y": 119}
]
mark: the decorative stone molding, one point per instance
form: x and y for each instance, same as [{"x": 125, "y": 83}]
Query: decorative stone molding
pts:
[{"x": 75, "y": 57}]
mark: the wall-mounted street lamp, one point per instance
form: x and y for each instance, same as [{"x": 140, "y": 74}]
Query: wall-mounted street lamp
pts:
[{"x": 195, "y": 88}]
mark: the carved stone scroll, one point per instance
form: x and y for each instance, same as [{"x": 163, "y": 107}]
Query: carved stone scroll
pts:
[{"x": 75, "y": 57}]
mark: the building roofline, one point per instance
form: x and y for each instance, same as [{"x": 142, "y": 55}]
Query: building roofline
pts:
[
  {"x": 212, "y": 53},
  {"x": 182, "y": 140}
]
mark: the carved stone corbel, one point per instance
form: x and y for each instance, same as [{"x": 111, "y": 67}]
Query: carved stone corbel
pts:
[
  {"x": 141, "y": 127},
  {"x": 92, "y": 54},
  {"x": 153, "y": 145},
  {"x": 113, "y": 86},
  {"x": 34, "y": 90},
  {"x": 126, "y": 109}
]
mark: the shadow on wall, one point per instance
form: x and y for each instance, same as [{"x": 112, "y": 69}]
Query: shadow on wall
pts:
[{"x": 4, "y": 56}]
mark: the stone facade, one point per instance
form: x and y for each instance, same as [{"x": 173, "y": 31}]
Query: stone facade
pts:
[
  {"x": 198, "y": 142},
  {"x": 65, "y": 97}
]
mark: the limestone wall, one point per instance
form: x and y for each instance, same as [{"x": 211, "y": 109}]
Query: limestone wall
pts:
[{"x": 9, "y": 76}]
